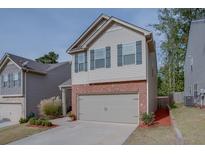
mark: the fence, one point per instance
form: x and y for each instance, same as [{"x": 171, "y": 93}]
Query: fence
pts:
[
  {"x": 163, "y": 101},
  {"x": 177, "y": 97}
]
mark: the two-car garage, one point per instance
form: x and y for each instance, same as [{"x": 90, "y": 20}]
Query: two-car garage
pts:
[{"x": 117, "y": 108}]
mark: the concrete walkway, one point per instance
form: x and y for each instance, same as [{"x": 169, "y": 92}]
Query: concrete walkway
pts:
[{"x": 80, "y": 133}]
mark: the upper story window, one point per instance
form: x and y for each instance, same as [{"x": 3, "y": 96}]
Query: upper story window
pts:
[
  {"x": 130, "y": 53},
  {"x": 16, "y": 79},
  {"x": 5, "y": 80},
  {"x": 100, "y": 58},
  {"x": 11, "y": 80},
  {"x": 81, "y": 62}
]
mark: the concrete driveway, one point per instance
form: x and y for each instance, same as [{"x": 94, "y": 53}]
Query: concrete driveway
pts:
[
  {"x": 81, "y": 133},
  {"x": 5, "y": 123}
]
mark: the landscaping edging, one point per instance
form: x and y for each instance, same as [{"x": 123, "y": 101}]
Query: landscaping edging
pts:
[{"x": 179, "y": 137}]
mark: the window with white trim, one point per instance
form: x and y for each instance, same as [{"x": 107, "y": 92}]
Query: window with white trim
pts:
[
  {"x": 16, "y": 79},
  {"x": 5, "y": 80},
  {"x": 128, "y": 53},
  {"x": 100, "y": 57},
  {"x": 81, "y": 62}
]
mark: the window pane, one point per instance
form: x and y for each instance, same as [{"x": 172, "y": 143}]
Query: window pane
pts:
[
  {"x": 16, "y": 77},
  {"x": 128, "y": 49},
  {"x": 99, "y": 63},
  {"x": 100, "y": 53},
  {"x": 129, "y": 59},
  {"x": 81, "y": 58},
  {"x": 6, "y": 78},
  {"x": 81, "y": 67}
]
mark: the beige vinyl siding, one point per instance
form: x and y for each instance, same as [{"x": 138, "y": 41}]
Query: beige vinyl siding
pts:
[{"x": 113, "y": 36}]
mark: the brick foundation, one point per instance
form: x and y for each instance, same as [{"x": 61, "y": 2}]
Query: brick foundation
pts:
[{"x": 139, "y": 87}]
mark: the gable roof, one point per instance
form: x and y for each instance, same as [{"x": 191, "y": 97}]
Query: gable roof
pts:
[
  {"x": 85, "y": 40},
  {"x": 29, "y": 65},
  {"x": 99, "y": 20}
]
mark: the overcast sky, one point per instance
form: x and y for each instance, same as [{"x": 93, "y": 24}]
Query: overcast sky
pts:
[{"x": 34, "y": 32}]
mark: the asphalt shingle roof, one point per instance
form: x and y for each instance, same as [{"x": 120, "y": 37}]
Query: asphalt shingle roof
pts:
[{"x": 31, "y": 65}]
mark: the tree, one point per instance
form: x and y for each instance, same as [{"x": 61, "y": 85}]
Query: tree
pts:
[
  {"x": 174, "y": 25},
  {"x": 50, "y": 58}
]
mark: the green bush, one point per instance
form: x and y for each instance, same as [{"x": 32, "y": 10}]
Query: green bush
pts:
[
  {"x": 51, "y": 107},
  {"x": 148, "y": 118},
  {"x": 31, "y": 115},
  {"x": 48, "y": 123},
  {"x": 23, "y": 120},
  {"x": 40, "y": 122},
  {"x": 173, "y": 106},
  {"x": 32, "y": 121}
]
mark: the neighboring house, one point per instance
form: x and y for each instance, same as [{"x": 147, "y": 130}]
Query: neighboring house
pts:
[
  {"x": 194, "y": 69},
  {"x": 24, "y": 83},
  {"x": 113, "y": 72}
]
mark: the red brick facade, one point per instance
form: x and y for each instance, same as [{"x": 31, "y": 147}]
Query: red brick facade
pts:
[{"x": 139, "y": 87}]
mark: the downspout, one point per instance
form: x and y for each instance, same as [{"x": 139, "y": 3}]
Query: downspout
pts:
[
  {"x": 147, "y": 52},
  {"x": 25, "y": 99}
]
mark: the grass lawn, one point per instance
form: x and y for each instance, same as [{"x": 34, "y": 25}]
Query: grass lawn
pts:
[
  {"x": 159, "y": 135},
  {"x": 191, "y": 123},
  {"x": 16, "y": 132}
]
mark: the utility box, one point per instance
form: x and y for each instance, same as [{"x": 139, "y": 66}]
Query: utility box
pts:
[{"x": 189, "y": 100}]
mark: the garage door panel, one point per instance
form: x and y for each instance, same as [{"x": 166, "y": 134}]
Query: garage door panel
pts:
[
  {"x": 109, "y": 108},
  {"x": 11, "y": 111}
]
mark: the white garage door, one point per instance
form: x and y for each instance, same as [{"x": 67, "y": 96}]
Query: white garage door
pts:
[
  {"x": 11, "y": 111},
  {"x": 109, "y": 108}
]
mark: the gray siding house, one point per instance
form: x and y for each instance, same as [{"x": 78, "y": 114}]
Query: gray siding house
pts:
[
  {"x": 24, "y": 83},
  {"x": 194, "y": 67}
]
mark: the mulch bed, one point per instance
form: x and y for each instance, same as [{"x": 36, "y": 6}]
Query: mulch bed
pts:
[
  {"x": 162, "y": 118},
  {"x": 39, "y": 126}
]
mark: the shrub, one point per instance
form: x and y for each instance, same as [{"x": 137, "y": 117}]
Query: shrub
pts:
[
  {"x": 148, "y": 118},
  {"x": 173, "y": 106},
  {"x": 48, "y": 123},
  {"x": 40, "y": 122},
  {"x": 23, "y": 120},
  {"x": 32, "y": 121},
  {"x": 51, "y": 107},
  {"x": 31, "y": 115},
  {"x": 43, "y": 123},
  {"x": 72, "y": 116}
]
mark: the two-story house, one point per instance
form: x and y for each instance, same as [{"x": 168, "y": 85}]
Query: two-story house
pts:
[
  {"x": 24, "y": 83},
  {"x": 194, "y": 69},
  {"x": 113, "y": 72}
]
